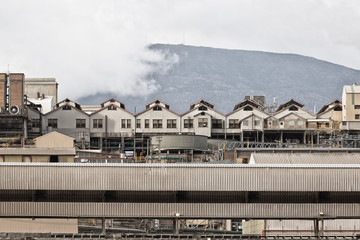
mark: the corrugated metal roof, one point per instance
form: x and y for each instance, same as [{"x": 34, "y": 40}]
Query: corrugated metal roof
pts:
[
  {"x": 179, "y": 177},
  {"x": 37, "y": 151},
  {"x": 305, "y": 158},
  {"x": 186, "y": 210}
]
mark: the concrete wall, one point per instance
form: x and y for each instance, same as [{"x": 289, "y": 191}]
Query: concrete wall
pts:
[
  {"x": 66, "y": 123},
  {"x": 196, "y": 114},
  {"x": 54, "y": 140},
  {"x": 164, "y": 115},
  {"x": 114, "y": 118},
  {"x": 46, "y": 86},
  {"x": 253, "y": 226},
  {"x": 40, "y": 225}
]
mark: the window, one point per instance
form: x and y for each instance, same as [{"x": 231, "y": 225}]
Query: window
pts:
[
  {"x": 216, "y": 123},
  {"x": 111, "y": 107},
  {"x": 257, "y": 122},
  {"x": 35, "y": 123},
  {"x": 97, "y": 123},
  {"x": 274, "y": 122},
  {"x": 52, "y": 123},
  {"x": 157, "y": 108},
  {"x": 202, "y": 122},
  {"x": 188, "y": 123},
  {"x": 357, "y": 116},
  {"x": 293, "y": 108},
  {"x": 138, "y": 123},
  {"x": 245, "y": 123},
  {"x": 147, "y": 123},
  {"x": 157, "y": 123},
  {"x": 171, "y": 123},
  {"x": 202, "y": 108},
  {"x": 356, "y": 106},
  {"x": 125, "y": 123},
  {"x": 80, "y": 123},
  {"x": 291, "y": 123},
  {"x": 66, "y": 107},
  {"x": 248, "y": 108},
  {"x": 234, "y": 123},
  {"x": 343, "y": 123},
  {"x": 300, "y": 122}
]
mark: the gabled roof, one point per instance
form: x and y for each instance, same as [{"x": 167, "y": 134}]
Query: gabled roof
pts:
[
  {"x": 112, "y": 100},
  {"x": 69, "y": 105},
  {"x": 201, "y": 104},
  {"x": 288, "y": 104},
  {"x": 244, "y": 106},
  {"x": 246, "y": 102},
  {"x": 325, "y": 107},
  {"x": 54, "y": 133},
  {"x": 202, "y": 101},
  {"x": 292, "y": 113},
  {"x": 106, "y": 106},
  {"x": 158, "y": 101},
  {"x": 252, "y": 115},
  {"x": 156, "y": 104},
  {"x": 66, "y": 101}
]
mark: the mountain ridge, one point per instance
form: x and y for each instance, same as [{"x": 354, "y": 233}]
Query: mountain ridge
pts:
[{"x": 224, "y": 77}]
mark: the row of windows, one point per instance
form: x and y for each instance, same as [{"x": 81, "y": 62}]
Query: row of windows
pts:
[{"x": 157, "y": 123}]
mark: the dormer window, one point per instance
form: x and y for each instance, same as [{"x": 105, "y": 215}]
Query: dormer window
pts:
[
  {"x": 202, "y": 108},
  {"x": 293, "y": 108},
  {"x": 111, "y": 107},
  {"x": 157, "y": 108},
  {"x": 248, "y": 108}
]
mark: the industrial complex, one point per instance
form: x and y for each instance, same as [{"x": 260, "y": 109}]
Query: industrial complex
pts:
[{"x": 260, "y": 171}]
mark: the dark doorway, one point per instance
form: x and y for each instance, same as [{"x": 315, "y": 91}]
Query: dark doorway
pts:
[{"x": 54, "y": 158}]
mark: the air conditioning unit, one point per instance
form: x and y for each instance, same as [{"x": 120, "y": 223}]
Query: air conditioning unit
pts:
[{"x": 14, "y": 110}]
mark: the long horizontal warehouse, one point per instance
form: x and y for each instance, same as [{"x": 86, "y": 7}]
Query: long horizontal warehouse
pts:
[
  {"x": 179, "y": 177},
  {"x": 192, "y": 190}
]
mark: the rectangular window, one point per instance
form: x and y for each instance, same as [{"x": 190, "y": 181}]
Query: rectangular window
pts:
[
  {"x": 157, "y": 123},
  {"x": 291, "y": 123},
  {"x": 147, "y": 123},
  {"x": 356, "y": 106},
  {"x": 52, "y": 123},
  {"x": 138, "y": 123},
  {"x": 245, "y": 123},
  {"x": 202, "y": 122},
  {"x": 257, "y": 122},
  {"x": 300, "y": 122},
  {"x": 80, "y": 123},
  {"x": 216, "y": 123},
  {"x": 188, "y": 123},
  {"x": 357, "y": 116},
  {"x": 274, "y": 122},
  {"x": 125, "y": 123},
  {"x": 35, "y": 123},
  {"x": 234, "y": 123},
  {"x": 97, "y": 123},
  {"x": 171, "y": 123}
]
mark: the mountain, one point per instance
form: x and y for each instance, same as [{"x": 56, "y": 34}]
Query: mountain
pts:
[{"x": 224, "y": 77}]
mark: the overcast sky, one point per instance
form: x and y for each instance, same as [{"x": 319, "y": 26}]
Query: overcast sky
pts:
[{"x": 97, "y": 46}]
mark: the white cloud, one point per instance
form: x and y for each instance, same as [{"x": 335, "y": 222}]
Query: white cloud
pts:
[{"x": 97, "y": 46}]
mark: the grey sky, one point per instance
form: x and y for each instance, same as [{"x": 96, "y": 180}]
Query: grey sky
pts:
[{"x": 92, "y": 46}]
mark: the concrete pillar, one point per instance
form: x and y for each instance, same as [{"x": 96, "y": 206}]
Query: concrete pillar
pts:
[
  {"x": 176, "y": 226},
  {"x": 103, "y": 226},
  {"x": 241, "y": 137},
  {"x": 228, "y": 225},
  {"x": 262, "y": 137},
  {"x": 318, "y": 138}
]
